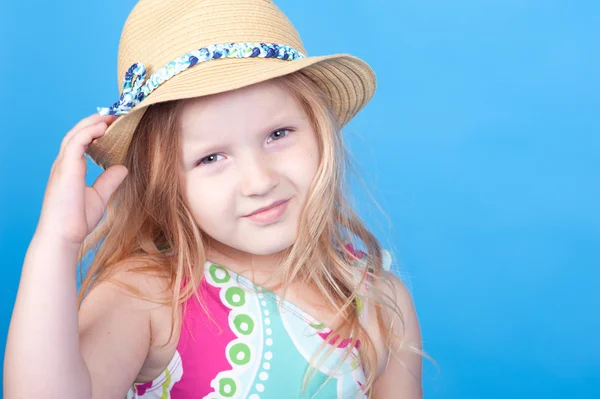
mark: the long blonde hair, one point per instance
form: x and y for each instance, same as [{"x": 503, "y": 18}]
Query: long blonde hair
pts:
[{"x": 148, "y": 213}]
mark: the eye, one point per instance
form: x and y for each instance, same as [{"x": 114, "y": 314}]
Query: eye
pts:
[
  {"x": 209, "y": 159},
  {"x": 278, "y": 134}
]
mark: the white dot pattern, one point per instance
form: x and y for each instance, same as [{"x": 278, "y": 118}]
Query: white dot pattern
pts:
[{"x": 264, "y": 375}]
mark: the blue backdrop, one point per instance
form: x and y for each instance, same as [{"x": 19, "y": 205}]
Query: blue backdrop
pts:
[{"x": 482, "y": 145}]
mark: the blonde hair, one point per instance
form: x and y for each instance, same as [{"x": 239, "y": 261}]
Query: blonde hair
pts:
[{"x": 148, "y": 213}]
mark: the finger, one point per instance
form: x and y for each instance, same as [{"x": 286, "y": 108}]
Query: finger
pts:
[
  {"x": 108, "y": 181},
  {"x": 89, "y": 121},
  {"x": 79, "y": 142}
]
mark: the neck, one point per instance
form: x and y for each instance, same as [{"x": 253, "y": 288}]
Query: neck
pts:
[{"x": 258, "y": 268}]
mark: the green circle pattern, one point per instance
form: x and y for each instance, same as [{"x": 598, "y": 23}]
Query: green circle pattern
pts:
[
  {"x": 242, "y": 319},
  {"x": 223, "y": 384},
  {"x": 213, "y": 273},
  {"x": 239, "y": 353},
  {"x": 233, "y": 291},
  {"x": 237, "y": 349}
]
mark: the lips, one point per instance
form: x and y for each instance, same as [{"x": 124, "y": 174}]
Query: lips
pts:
[
  {"x": 274, "y": 204},
  {"x": 268, "y": 215}
]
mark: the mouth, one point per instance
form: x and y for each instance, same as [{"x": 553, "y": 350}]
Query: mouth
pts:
[
  {"x": 266, "y": 208},
  {"x": 269, "y": 214}
]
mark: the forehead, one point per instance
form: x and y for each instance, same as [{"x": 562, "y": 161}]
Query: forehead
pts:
[{"x": 248, "y": 106}]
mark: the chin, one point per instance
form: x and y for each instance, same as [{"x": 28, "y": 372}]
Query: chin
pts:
[
  {"x": 268, "y": 244},
  {"x": 270, "y": 248}
]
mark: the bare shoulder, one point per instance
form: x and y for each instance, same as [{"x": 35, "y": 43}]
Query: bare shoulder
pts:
[
  {"x": 115, "y": 329},
  {"x": 126, "y": 289},
  {"x": 398, "y": 294},
  {"x": 400, "y": 372}
]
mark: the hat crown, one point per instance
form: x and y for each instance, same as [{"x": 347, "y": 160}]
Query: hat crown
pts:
[{"x": 157, "y": 31}]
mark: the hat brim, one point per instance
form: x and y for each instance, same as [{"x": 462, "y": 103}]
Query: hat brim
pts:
[{"x": 348, "y": 81}]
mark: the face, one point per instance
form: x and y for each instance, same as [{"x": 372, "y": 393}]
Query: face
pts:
[{"x": 243, "y": 151}]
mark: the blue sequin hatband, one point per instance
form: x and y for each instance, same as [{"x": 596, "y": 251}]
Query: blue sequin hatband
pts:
[{"x": 136, "y": 88}]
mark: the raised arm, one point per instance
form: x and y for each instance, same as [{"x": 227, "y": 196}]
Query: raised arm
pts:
[{"x": 45, "y": 355}]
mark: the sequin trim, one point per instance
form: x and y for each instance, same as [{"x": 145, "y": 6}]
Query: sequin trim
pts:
[{"x": 136, "y": 88}]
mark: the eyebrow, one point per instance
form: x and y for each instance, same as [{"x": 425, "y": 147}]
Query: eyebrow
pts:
[{"x": 281, "y": 120}]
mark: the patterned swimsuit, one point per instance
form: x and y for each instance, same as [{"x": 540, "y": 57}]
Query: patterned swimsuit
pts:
[{"x": 258, "y": 351}]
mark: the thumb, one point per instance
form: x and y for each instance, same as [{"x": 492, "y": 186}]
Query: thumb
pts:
[{"x": 108, "y": 181}]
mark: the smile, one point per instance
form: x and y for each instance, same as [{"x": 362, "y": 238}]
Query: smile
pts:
[{"x": 270, "y": 214}]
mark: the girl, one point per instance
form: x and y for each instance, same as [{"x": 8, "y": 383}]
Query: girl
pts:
[{"x": 226, "y": 261}]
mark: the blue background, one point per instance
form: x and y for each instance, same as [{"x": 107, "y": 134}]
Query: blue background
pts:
[{"x": 481, "y": 144}]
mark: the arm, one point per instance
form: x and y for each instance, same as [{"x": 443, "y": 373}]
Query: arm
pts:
[
  {"x": 401, "y": 377},
  {"x": 45, "y": 354},
  {"x": 52, "y": 352},
  {"x": 42, "y": 349}
]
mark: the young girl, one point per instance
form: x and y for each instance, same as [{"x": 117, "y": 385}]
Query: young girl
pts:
[{"x": 226, "y": 253}]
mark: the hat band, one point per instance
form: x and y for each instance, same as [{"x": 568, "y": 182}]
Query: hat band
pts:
[{"x": 136, "y": 88}]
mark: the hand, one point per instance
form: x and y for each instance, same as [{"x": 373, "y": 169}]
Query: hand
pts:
[{"x": 71, "y": 209}]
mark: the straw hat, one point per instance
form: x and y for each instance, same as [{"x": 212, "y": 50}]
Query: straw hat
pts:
[{"x": 179, "y": 49}]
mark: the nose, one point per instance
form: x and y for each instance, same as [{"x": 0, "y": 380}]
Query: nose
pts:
[{"x": 259, "y": 176}]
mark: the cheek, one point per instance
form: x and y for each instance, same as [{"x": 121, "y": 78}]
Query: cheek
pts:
[
  {"x": 301, "y": 157},
  {"x": 311, "y": 164},
  {"x": 208, "y": 202},
  {"x": 307, "y": 162},
  {"x": 298, "y": 167}
]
